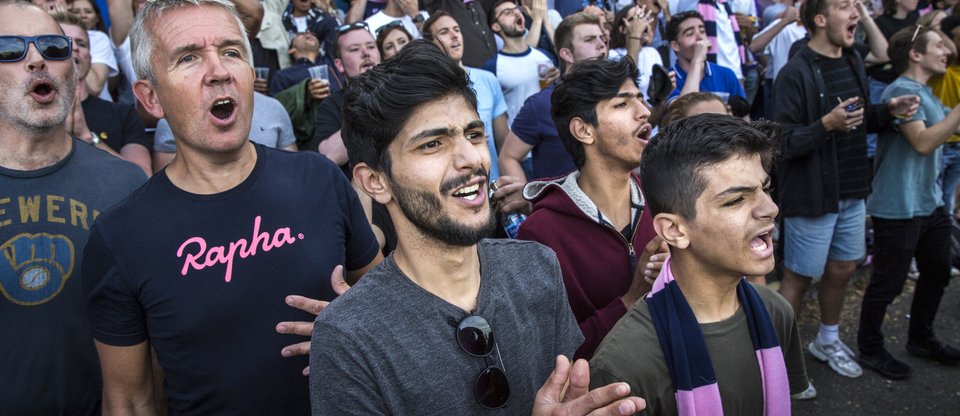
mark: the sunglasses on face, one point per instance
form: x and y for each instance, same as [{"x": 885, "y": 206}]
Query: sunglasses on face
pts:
[
  {"x": 475, "y": 337},
  {"x": 51, "y": 47},
  {"x": 352, "y": 26}
]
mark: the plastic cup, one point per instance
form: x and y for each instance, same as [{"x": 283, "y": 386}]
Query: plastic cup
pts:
[
  {"x": 261, "y": 72},
  {"x": 319, "y": 72},
  {"x": 543, "y": 68}
]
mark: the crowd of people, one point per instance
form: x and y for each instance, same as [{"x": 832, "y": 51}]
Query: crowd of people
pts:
[{"x": 330, "y": 207}]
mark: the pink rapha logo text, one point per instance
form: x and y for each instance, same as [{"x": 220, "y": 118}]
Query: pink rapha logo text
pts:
[{"x": 202, "y": 257}]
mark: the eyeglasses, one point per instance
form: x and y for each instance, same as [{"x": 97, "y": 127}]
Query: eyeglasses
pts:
[
  {"x": 475, "y": 337},
  {"x": 391, "y": 25},
  {"x": 511, "y": 10},
  {"x": 52, "y": 47},
  {"x": 352, "y": 26}
]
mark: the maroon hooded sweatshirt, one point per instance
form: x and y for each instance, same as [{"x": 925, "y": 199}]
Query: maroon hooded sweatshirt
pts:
[{"x": 596, "y": 260}]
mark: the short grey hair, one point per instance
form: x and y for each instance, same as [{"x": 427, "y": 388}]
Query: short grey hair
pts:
[{"x": 142, "y": 37}]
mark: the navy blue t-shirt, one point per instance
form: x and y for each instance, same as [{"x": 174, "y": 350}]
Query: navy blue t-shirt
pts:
[
  {"x": 204, "y": 278},
  {"x": 535, "y": 127}
]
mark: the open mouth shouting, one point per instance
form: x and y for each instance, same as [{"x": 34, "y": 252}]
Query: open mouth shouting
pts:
[
  {"x": 644, "y": 133},
  {"x": 762, "y": 243},
  {"x": 851, "y": 30},
  {"x": 224, "y": 111},
  {"x": 43, "y": 91}
]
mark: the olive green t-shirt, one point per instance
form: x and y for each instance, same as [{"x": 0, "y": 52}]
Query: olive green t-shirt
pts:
[{"x": 631, "y": 353}]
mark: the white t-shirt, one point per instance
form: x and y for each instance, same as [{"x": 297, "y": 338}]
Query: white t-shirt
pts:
[
  {"x": 747, "y": 7},
  {"x": 647, "y": 58},
  {"x": 728, "y": 54},
  {"x": 778, "y": 50},
  {"x": 300, "y": 23},
  {"x": 125, "y": 62},
  {"x": 101, "y": 52},
  {"x": 380, "y": 19},
  {"x": 518, "y": 76}
]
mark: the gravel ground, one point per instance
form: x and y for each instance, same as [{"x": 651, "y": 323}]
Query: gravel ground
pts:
[{"x": 932, "y": 390}]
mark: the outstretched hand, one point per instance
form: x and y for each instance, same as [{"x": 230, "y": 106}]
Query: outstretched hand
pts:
[
  {"x": 313, "y": 307},
  {"x": 904, "y": 106},
  {"x": 567, "y": 392}
]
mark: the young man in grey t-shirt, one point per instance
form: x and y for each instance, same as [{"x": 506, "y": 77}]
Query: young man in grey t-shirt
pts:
[
  {"x": 705, "y": 340},
  {"x": 450, "y": 323}
]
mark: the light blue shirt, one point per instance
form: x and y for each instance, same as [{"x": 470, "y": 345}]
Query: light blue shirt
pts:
[
  {"x": 905, "y": 182},
  {"x": 490, "y": 105}
]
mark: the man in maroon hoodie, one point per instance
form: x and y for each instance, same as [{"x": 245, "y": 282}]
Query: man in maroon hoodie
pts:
[{"x": 594, "y": 218}]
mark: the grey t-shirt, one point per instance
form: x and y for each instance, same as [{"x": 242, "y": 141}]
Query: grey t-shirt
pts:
[
  {"x": 47, "y": 357},
  {"x": 387, "y": 346},
  {"x": 271, "y": 126},
  {"x": 632, "y": 353}
]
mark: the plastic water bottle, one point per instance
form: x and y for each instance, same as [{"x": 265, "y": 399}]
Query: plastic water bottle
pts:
[{"x": 511, "y": 220}]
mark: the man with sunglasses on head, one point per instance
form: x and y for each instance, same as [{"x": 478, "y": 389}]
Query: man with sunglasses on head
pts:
[
  {"x": 52, "y": 186},
  {"x": 354, "y": 52},
  {"x": 907, "y": 208},
  {"x": 222, "y": 291},
  {"x": 823, "y": 177},
  {"x": 472, "y": 325}
]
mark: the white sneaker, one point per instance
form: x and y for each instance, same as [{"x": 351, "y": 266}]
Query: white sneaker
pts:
[
  {"x": 809, "y": 393},
  {"x": 838, "y": 356}
]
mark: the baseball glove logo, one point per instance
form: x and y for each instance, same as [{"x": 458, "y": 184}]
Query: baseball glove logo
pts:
[{"x": 35, "y": 267}]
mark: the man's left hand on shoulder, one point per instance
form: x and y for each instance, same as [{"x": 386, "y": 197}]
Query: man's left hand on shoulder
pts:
[{"x": 311, "y": 306}]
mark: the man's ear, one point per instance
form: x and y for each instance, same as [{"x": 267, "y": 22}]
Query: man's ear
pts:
[
  {"x": 339, "y": 64},
  {"x": 567, "y": 56},
  {"x": 373, "y": 183},
  {"x": 914, "y": 55},
  {"x": 672, "y": 229},
  {"x": 495, "y": 27},
  {"x": 582, "y": 131},
  {"x": 675, "y": 46},
  {"x": 821, "y": 21},
  {"x": 147, "y": 95}
]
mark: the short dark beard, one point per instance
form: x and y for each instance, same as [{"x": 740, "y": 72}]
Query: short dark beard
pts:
[{"x": 424, "y": 211}]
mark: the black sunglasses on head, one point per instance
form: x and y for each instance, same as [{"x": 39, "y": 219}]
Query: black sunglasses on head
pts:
[
  {"x": 352, "y": 26},
  {"x": 52, "y": 47},
  {"x": 475, "y": 337},
  {"x": 391, "y": 25}
]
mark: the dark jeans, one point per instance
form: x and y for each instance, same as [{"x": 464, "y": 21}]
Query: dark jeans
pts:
[{"x": 896, "y": 242}]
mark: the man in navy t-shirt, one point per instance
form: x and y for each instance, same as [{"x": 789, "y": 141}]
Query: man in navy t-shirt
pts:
[{"x": 202, "y": 263}]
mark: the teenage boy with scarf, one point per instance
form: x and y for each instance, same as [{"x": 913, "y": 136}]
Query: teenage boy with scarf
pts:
[{"x": 704, "y": 340}]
